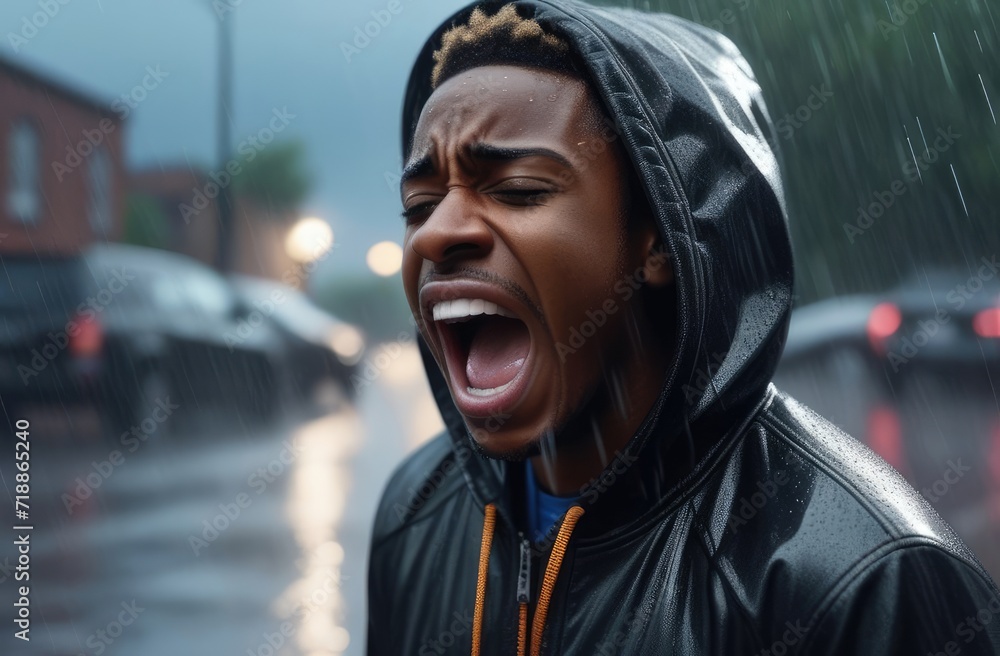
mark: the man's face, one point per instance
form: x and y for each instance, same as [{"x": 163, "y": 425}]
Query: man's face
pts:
[{"x": 516, "y": 254}]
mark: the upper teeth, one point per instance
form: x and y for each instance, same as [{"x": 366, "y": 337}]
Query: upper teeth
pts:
[{"x": 467, "y": 307}]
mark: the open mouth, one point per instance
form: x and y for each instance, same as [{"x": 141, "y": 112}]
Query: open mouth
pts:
[{"x": 486, "y": 347}]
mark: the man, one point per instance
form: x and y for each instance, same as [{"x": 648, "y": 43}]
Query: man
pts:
[{"x": 597, "y": 257}]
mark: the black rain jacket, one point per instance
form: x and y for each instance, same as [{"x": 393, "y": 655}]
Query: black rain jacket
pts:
[{"x": 736, "y": 521}]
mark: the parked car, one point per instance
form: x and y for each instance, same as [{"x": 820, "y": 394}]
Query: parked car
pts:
[
  {"x": 127, "y": 328},
  {"x": 941, "y": 321},
  {"x": 833, "y": 324},
  {"x": 827, "y": 363},
  {"x": 39, "y": 359},
  {"x": 318, "y": 346},
  {"x": 912, "y": 372}
]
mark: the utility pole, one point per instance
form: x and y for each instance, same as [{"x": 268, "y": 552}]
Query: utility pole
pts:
[{"x": 224, "y": 203}]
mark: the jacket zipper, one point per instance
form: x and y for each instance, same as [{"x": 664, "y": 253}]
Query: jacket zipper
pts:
[{"x": 524, "y": 572}]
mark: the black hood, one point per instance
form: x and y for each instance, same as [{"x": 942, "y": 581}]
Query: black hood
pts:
[{"x": 692, "y": 120}]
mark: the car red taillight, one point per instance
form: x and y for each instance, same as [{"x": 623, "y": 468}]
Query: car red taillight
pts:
[
  {"x": 87, "y": 338},
  {"x": 883, "y": 323},
  {"x": 885, "y": 436},
  {"x": 987, "y": 323}
]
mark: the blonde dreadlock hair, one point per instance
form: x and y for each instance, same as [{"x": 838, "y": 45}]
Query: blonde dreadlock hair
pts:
[{"x": 506, "y": 37}]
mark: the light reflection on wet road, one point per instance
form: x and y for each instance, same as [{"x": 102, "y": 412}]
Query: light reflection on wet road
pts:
[{"x": 218, "y": 542}]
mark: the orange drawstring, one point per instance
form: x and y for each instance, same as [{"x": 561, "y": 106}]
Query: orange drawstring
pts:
[
  {"x": 484, "y": 565},
  {"x": 548, "y": 583},
  {"x": 522, "y": 627}
]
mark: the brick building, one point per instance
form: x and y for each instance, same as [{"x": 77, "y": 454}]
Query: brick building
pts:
[
  {"x": 258, "y": 236},
  {"x": 62, "y": 174},
  {"x": 169, "y": 187}
]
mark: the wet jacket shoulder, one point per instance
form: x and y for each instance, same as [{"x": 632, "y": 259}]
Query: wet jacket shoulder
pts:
[
  {"x": 427, "y": 476},
  {"x": 838, "y": 552}
]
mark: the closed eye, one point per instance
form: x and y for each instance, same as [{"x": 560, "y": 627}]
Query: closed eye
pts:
[
  {"x": 418, "y": 209},
  {"x": 513, "y": 193},
  {"x": 522, "y": 197}
]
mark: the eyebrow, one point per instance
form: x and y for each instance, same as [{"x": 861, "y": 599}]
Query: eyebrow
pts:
[{"x": 424, "y": 165}]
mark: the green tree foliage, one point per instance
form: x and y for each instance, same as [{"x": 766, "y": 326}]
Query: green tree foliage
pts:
[
  {"x": 276, "y": 178},
  {"x": 883, "y": 66},
  {"x": 146, "y": 224}
]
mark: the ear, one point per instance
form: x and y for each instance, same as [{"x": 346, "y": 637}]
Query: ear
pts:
[{"x": 657, "y": 264}]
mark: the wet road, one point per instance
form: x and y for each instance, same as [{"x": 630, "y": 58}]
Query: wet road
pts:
[
  {"x": 212, "y": 541},
  {"x": 220, "y": 540}
]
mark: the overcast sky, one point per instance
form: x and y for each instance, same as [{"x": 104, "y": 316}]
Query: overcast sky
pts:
[{"x": 287, "y": 55}]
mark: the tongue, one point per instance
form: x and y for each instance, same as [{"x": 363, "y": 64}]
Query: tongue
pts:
[{"x": 497, "y": 352}]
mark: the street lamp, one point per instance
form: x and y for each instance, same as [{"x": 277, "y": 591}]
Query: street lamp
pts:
[
  {"x": 223, "y": 117},
  {"x": 308, "y": 240},
  {"x": 385, "y": 258},
  {"x": 224, "y": 247}
]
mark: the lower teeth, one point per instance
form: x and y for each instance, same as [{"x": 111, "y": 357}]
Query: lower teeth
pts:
[{"x": 475, "y": 391}]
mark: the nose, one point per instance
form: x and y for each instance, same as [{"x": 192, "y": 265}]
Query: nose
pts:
[{"x": 455, "y": 230}]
